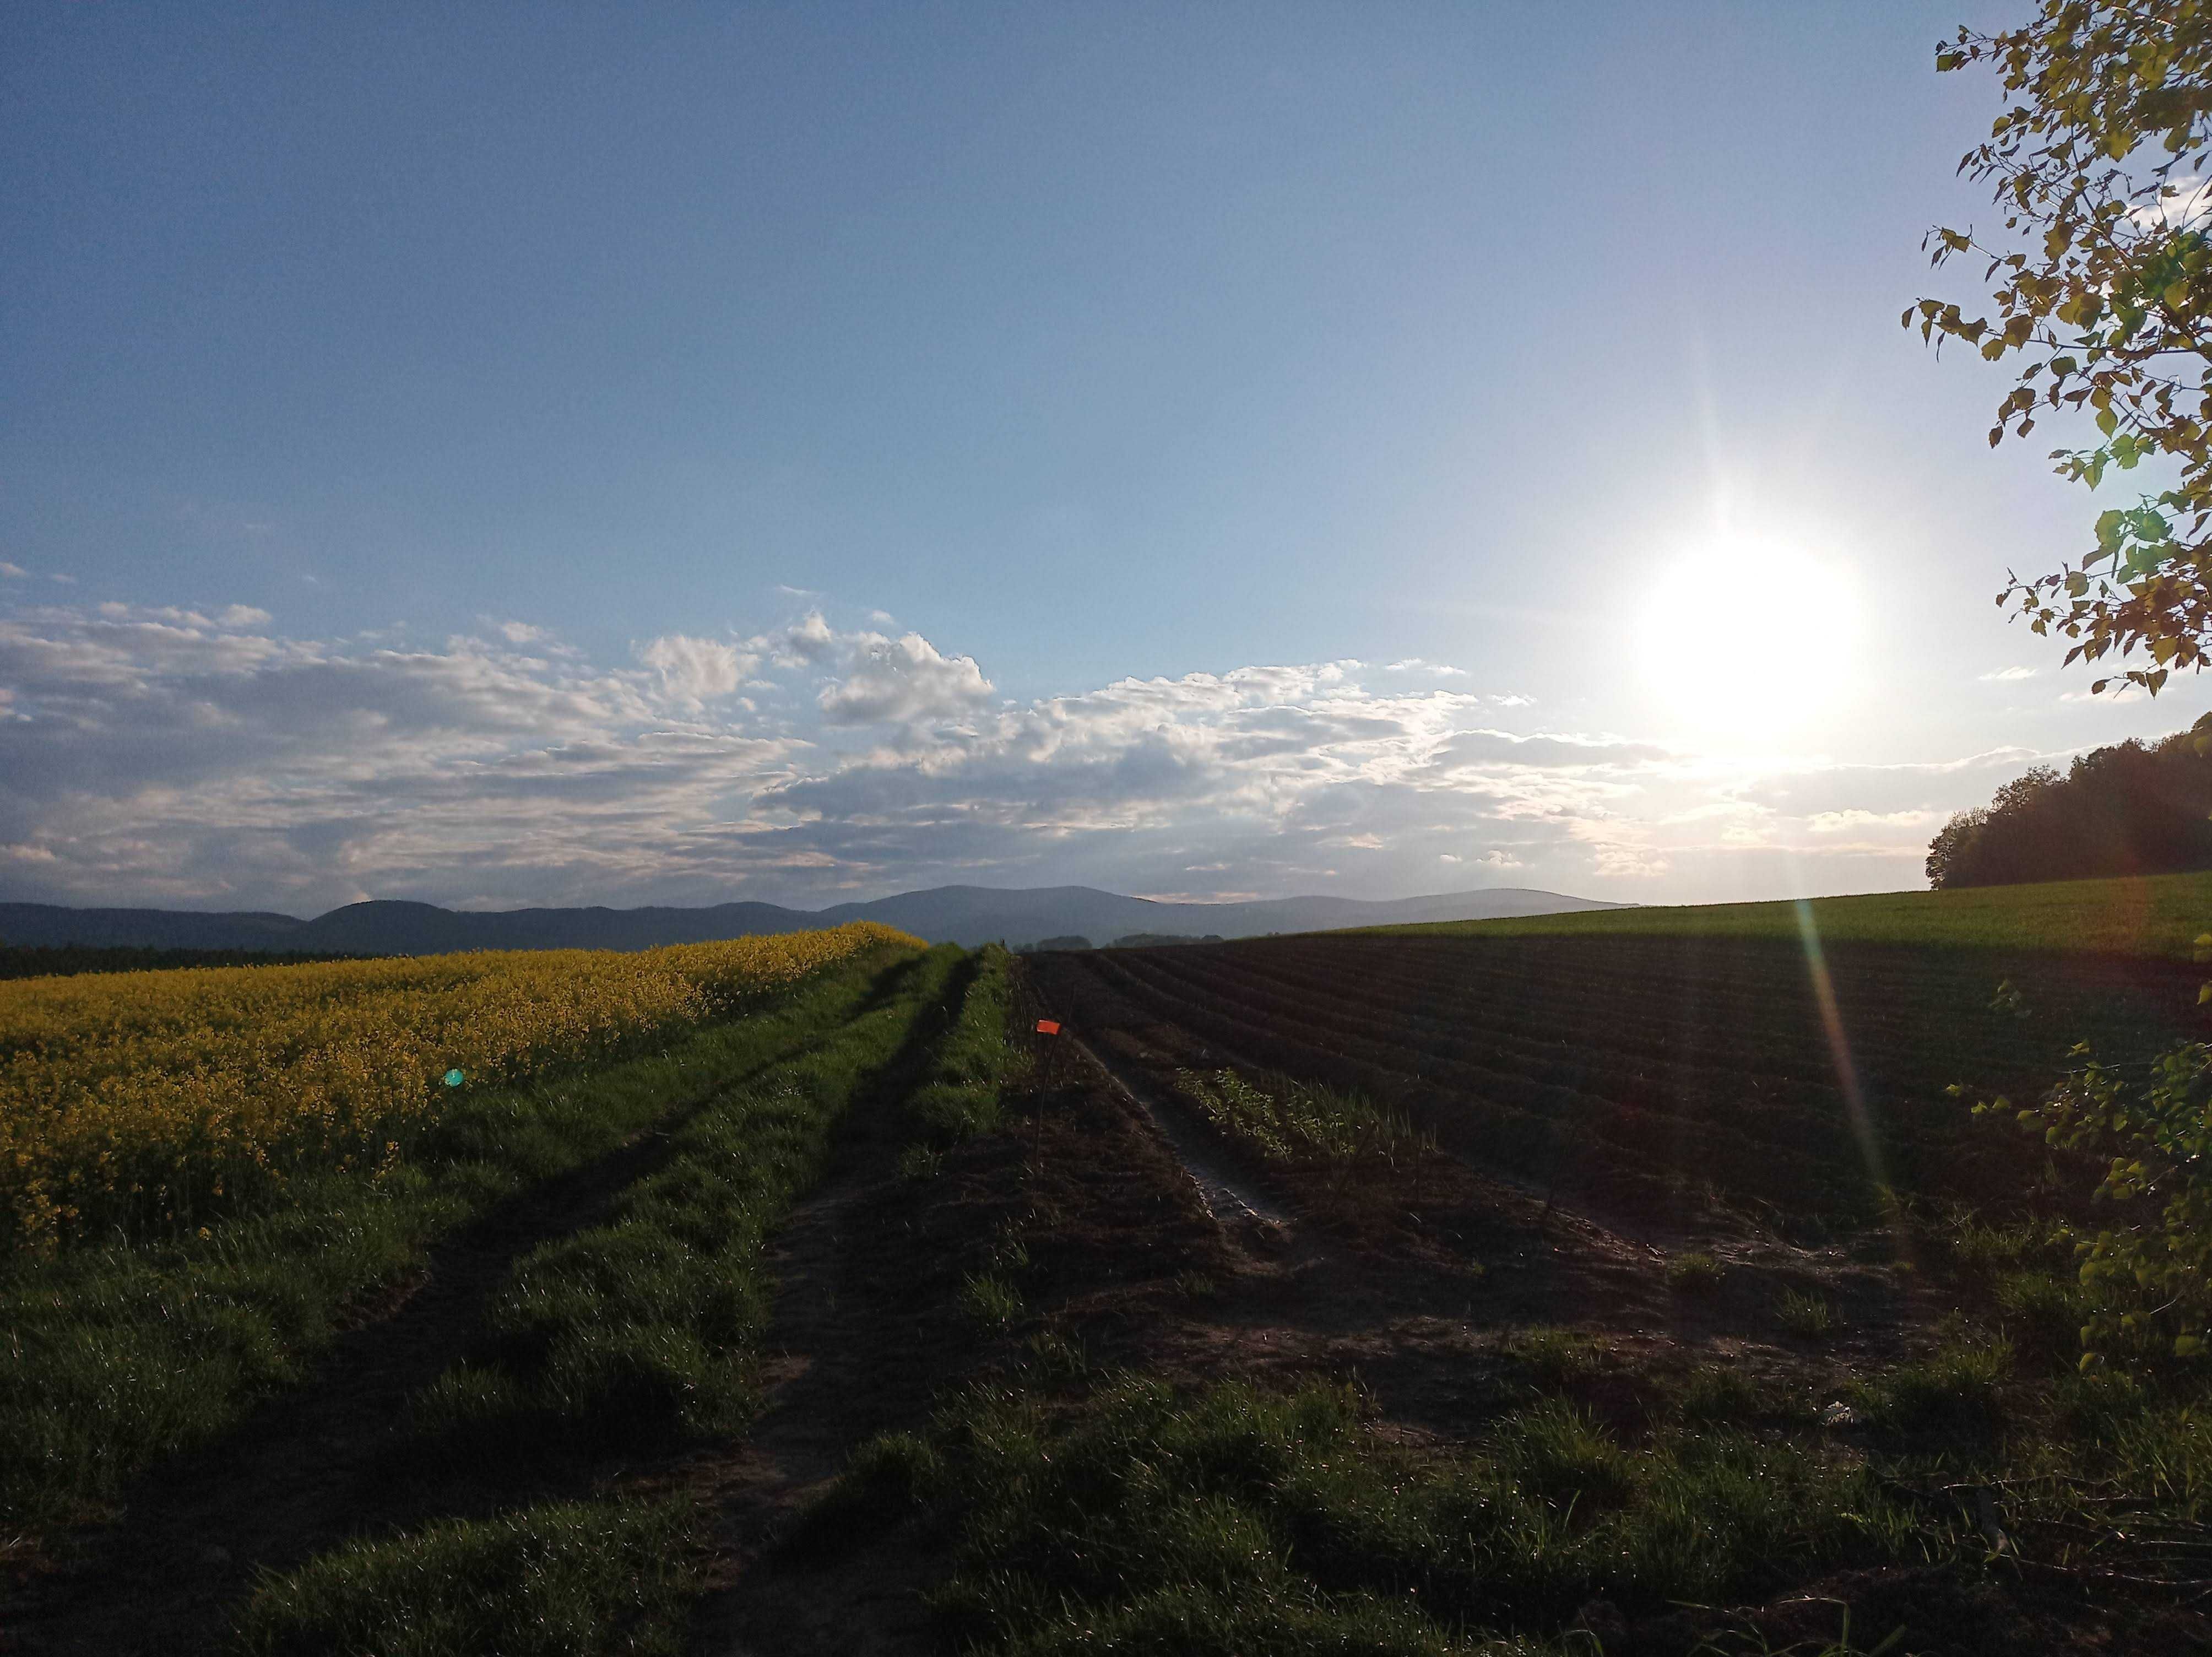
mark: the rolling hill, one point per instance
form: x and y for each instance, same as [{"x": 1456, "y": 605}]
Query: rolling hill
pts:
[{"x": 952, "y": 914}]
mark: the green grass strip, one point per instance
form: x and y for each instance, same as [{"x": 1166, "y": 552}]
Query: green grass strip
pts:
[
  {"x": 111, "y": 1357},
  {"x": 1237, "y": 1521},
  {"x": 640, "y": 1330},
  {"x": 969, "y": 1060},
  {"x": 562, "y": 1579},
  {"x": 2157, "y": 915},
  {"x": 627, "y": 1335}
]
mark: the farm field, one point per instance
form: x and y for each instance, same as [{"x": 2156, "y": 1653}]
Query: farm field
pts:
[
  {"x": 1666, "y": 1075},
  {"x": 1394, "y": 1294},
  {"x": 2155, "y": 914}
]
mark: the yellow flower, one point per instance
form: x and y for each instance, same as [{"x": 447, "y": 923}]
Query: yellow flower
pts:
[{"x": 154, "y": 1096}]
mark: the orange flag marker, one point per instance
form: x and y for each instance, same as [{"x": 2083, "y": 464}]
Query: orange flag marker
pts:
[{"x": 1048, "y": 1027}]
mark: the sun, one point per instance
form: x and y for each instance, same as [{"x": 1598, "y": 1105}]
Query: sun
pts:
[{"x": 1750, "y": 638}]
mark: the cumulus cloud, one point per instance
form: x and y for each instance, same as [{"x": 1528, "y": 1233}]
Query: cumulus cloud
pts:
[
  {"x": 902, "y": 680},
  {"x": 694, "y": 672},
  {"x": 1434, "y": 669},
  {"x": 199, "y": 755}
]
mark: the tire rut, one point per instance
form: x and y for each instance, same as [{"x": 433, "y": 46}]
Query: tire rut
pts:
[
  {"x": 309, "y": 1467},
  {"x": 1230, "y": 1198}
]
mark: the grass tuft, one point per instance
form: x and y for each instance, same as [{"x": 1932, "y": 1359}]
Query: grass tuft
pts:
[
  {"x": 1715, "y": 1393},
  {"x": 562, "y": 1580},
  {"x": 1556, "y": 1357},
  {"x": 1694, "y": 1273},
  {"x": 1956, "y": 1388},
  {"x": 1235, "y": 1521},
  {"x": 990, "y": 1301},
  {"x": 1806, "y": 1315}
]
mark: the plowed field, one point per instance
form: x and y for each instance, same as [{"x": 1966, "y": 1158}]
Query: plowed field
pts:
[{"x": 1658, "y": 1074}]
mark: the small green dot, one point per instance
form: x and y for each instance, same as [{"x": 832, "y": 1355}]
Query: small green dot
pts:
[{"x": 454, "y": 1078}]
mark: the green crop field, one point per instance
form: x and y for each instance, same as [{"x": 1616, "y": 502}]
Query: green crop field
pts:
[{"x": 2158, "y": 915}]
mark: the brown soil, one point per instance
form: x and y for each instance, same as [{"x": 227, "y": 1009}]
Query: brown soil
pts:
[{"x": 1420, "y": 1306}]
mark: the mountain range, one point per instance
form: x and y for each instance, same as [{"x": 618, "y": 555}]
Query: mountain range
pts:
[{"x": 953, "y": 914}]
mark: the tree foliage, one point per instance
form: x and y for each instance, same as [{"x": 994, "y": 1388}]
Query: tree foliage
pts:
[
  {"x": 2148, "y": 1274},
  {"x": 2132, "y": 808},
  {"x": 2102, "y": 287}
]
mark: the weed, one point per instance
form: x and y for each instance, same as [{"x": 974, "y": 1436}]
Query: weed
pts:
[
  {"x": 1558, "y": 1455},
  {"x": 1056, "y": 1358},
  {"x": 887, "y": 1479},
  {"x": 1694, "y": 1273},
  {"x": 1287, "y": 1119},
  {"x": 990, "y": 1302},
  {"x": 2042, "y": 1313},
  {"x": 920, "y": 1162},
  {"x": 1235, "y": 1519},
  {"x": 1806, "y": 1315},
  {"x": 1714, "y": 1393},
  {"x": 1556, "y": 1357},
  {"x": 1740, "y": 1645},
  {"x": 1199, "y": 1286},
  {"x": 1980, "y": 1245},
  {"x": 1010, "y": 1253},
  {"x": 1954, "y": 1389}
]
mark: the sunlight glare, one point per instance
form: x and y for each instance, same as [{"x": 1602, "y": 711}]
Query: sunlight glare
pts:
[{"x": 1750, "y": 638}]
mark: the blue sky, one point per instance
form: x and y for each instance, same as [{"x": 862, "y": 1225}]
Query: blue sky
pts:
[{"x": 525, "y": 455}]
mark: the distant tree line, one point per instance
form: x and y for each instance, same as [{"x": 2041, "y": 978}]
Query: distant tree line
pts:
[
  {"x": 1127, "y": 941},
  {"x": 2129, "y": 809},
  {"x": 68, "y": 960}
]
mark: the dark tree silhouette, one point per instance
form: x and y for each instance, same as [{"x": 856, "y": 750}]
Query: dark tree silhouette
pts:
[{"x": 2129, "y": 809}]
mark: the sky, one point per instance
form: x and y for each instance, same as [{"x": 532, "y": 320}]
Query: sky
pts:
[{"x": 508, "y": 455}]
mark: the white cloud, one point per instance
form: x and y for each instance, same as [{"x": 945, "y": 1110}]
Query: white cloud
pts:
[
  {"x": 13, "y": 571},
  {"x": 2181, "y": 202},
  {"x": 696, "y": 671},
  {"x": 1916, "y": 826},
  {"x": 902, "y": 680},
  {"x": 197, "y": 755},
  {"x": 518, "y": 632},
  {"x": 2007, "y": 675},
  {"x": 1434, "y": 669},
  {"x": 2125, "y": 692},
  {"x": 808, "y": 640}
]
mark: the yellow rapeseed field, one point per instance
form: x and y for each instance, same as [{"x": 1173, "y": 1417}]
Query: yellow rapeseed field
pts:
[{"x": 140, "y": 1101}]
